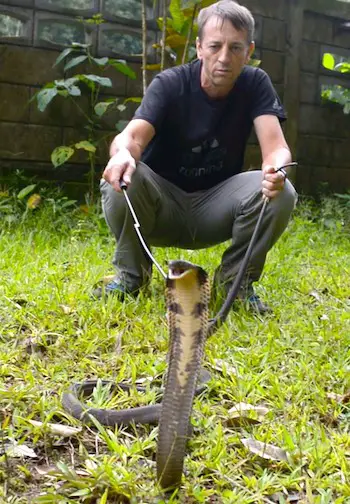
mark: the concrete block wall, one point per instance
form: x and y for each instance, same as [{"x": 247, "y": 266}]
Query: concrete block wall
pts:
[
  {"x": 27, "y": 136},
  {"x": 324, "y": 130}
]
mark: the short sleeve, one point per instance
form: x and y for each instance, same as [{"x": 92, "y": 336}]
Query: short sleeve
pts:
[
  {"x": 155, "y": 103},
  {"x": 265, "y": 98}
]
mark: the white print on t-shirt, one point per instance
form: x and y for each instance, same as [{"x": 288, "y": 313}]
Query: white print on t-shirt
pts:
[{"x": 203, "y": 159}]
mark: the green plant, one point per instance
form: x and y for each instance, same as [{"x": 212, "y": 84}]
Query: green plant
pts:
[
  {"x": 85, "y": 84},
  {"x": 179, "y": 32},
  {"x": 335, "y": 93}
]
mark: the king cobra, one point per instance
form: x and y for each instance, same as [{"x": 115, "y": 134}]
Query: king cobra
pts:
[{"x": 187, "y": 299}]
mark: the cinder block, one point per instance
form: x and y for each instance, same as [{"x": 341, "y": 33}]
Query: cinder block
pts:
[
  {"x": 310, "y": 57},
  {"x": 27, "y": 66},
  {"x": 60, "y": 111},
  {"x": 314, "y": 119},
  {"x": 317, "y": 28},
  {"x": 314, "y": 150},
  {"x": 14, "y": 103},
  {"x": 268, "y": 8},
  {"x": 326, "y": 120},
  {"x": 27, "y": 141},
  {"x": 274, "y": 35},
  {"x": 309, "y": 88},
  {"x": 341, "y": 152},
  {"x": 273, "y": 63}
]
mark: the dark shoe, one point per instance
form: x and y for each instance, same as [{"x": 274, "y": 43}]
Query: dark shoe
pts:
[
  {"x": 113, "y": 288},
  {"x": 253, "y": 301}
]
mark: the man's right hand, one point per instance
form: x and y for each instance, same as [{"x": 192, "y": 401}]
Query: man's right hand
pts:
[{"x": 121, "y": 166}]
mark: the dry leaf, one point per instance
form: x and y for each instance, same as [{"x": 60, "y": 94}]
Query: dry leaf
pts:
[
  {"x": 343, "y": 399},
  {"x": 59, "y": 429},
  {"x": 316, "y": 295},
  {"x": 224, "y": 367},
  {"x": 45, "y": 469},
  {"x": 238, "y": 420},
  {"x": 242, "y": 407},
  {"x": 264, "y": 450},
  {"x": 34, "y": 201},
  {"x": 18, "y": 451},
  {"x": 66, "y": 309}
]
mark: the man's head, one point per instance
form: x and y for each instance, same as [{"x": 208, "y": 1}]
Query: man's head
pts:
[{"x": 224, "y": 44}]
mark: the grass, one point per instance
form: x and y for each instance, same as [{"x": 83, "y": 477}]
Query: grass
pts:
[{"x": 52, "y": 333}]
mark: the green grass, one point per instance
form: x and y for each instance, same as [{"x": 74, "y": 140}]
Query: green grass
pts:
[{"x": 52, "y": 333}]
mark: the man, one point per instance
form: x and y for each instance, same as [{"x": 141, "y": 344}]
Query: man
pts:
[{"x": 183, "y": 153}]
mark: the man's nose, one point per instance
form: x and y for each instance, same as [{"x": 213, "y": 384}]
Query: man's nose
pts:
[{"x": 224, "y": 56}]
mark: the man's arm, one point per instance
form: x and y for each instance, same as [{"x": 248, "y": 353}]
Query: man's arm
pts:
[
  {"x": 126, "y": 150},
  {"x": 275, "y": 153}
]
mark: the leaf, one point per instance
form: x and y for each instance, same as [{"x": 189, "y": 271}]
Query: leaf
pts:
[
  {"x": 316, "y": 296},
  {"x": 244, "y": 407},
  {"x": 134, "y": 99},
  {"x": 74, "y": 62},
  {"x": 121, "y": 107},
  {"x": 104, "y": 497},
  {"x": 100, "y": 61},
  {"x": 224, "y": 367},
  {"x": 61, "y": 154},
  {"x": 176, "y": 14},
  {"x": 102, "y": 81},
  {"x": 123, "y": 68},
  {"x": 66, "y": 309},
  {"x": 86, "y": 145},
  {"x": 59, "y": 429},
  {"x": 45, "y": 96},
  {"x": 25, "y": 191},
  {"x": 154, "y": 67},
  {"x": 18, "y": 451},
  {"x": 74, "y": 91},
  {"x": 264, "y": 450},
  {"x": 328, "y": 61},
  {"x": 33, "y": 201},
  {"x": 175, "y": 41},
  {"x": 101, "y": 107},
  {"x": 120, "y": 125},
  {"x": 238, "y": 414},
  {"x": 343, "y": 399},
  {"x": 63, "y": 55},
  {"x": 81, "y": 492}
]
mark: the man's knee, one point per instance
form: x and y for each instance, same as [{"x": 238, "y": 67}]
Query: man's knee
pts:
[{"x": 286, "y": 201}]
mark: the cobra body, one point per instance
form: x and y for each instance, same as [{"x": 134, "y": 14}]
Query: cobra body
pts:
[{"x": 187, "y": 296}]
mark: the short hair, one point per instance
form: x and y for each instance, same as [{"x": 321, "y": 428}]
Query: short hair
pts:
[{"x": 240, "y": 17}]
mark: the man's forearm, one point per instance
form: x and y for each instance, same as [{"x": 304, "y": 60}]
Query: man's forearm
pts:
[{"x": 125, "y": 141}]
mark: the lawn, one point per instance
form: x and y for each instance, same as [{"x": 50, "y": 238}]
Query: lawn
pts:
[{"x": 293, "y": 368}]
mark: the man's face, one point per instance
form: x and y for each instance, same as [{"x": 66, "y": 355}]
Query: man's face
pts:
[{"x": 224, "y": 51}]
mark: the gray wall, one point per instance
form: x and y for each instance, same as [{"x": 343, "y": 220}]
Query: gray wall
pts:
[{"x": 291, "y": 38}]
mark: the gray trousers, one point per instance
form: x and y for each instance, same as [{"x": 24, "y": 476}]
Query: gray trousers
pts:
[{"x": 171, "y": 217}]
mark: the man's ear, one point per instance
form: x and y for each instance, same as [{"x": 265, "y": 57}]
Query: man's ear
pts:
[
  {"x": 198, "y": 48},
  {"x": 250, "y": 50}
]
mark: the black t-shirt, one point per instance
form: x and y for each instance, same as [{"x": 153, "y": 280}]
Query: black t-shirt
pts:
[{"x": 201, "y": 141}]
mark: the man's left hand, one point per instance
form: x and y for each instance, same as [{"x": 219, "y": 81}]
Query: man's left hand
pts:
[{"x": 273, "y": 181}]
